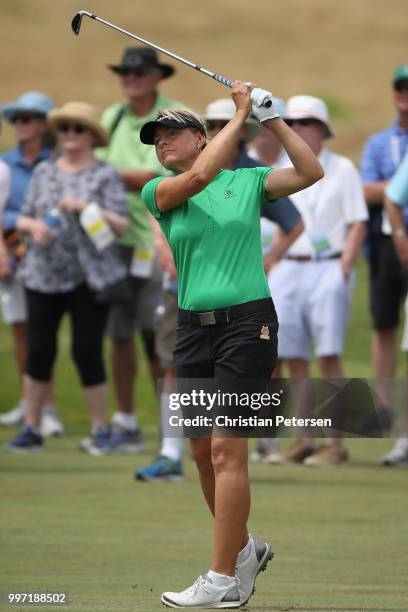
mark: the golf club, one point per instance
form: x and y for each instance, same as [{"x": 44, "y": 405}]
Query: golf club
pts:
[{"x": 76, "y": 26}]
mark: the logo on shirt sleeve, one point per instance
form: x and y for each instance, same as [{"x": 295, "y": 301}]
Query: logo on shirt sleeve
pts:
[{"x": 229, "y": 193}]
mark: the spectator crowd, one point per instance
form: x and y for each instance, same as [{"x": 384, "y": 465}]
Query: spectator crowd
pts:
[{"x": 77, "y": 239}]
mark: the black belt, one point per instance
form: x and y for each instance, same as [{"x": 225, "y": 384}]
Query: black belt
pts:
[
  {"x": 224, "y": 315},
  {"x": 310, "y": 258}
]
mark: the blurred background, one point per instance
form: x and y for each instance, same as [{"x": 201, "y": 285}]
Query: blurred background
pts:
[{"x": 344, "y": 52}]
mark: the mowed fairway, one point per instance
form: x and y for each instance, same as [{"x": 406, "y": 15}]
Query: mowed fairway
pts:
[
  {"x": 79, "y": 524},
  {"x": 75, "y": 523}
]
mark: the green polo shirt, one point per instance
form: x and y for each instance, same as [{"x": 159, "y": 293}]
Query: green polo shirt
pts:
[
  {"x": 126, "y": 152},
  {"x": 215, "y": 239}
]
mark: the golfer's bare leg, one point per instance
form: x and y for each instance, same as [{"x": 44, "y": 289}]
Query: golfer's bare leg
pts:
[
  {"x": 232, "y": 501},
  {"x": 201, "y": 453}
]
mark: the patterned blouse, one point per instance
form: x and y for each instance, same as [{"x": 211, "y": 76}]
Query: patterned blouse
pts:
[{"x": 70, "y": 259}]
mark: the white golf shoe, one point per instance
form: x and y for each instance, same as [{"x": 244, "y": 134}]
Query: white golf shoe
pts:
[
  {"x": 247, "y": 571},
  {"x": 14, "y": 417},
  {"x": 203, "y": 594}
]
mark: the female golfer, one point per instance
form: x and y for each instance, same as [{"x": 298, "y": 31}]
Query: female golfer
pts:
[{"x": 227, "y": 325}]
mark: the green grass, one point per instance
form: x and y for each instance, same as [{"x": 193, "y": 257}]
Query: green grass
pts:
[
  {"x": 79, "y": 524},
  {"x": 75, "y": 523}
]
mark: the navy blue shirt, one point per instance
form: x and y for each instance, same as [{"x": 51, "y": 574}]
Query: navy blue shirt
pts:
[
  {"x": 21, "y": 173},
  {"x": 281, "y": 211}
]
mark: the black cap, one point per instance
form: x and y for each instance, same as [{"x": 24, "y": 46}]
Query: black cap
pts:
[
  {"x": 148, "y": 130},
  {"x": 143, "y": 58}
]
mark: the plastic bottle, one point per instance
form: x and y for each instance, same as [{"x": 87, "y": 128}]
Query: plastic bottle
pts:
[{"x": 96, "y": 227}]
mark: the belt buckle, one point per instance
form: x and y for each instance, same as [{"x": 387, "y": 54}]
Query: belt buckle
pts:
[{"x": 207, "y": 318}]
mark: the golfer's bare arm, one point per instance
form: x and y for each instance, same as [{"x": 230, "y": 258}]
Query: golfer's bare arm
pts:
[{"x": 306, "y": 167}]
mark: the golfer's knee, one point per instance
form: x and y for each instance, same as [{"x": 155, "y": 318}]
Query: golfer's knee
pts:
[{"x": 226, "y": 458}]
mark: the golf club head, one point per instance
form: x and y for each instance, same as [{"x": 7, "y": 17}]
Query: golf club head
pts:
[{"x": 77, "y": 21}]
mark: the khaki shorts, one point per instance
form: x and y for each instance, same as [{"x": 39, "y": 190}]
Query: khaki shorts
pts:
[
  {"x": 138, "y": 314},
  {"x": 166, "y": 331}
]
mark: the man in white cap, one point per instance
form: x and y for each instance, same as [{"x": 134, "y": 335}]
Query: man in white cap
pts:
[{"x": 312, "y": 286}]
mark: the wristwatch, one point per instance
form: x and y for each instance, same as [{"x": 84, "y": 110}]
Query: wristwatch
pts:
[{"x": 400, "y": 233}]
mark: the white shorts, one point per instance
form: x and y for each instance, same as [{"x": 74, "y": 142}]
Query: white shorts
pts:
[
  {"x": 404, "y": 343},
  {"x": 13, "y": 301},
  {"x": 312, "y": 300}
]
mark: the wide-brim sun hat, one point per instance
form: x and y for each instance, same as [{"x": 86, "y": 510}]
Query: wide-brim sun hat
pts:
[
  {"x": 224, "y": 110},
  {"x": 142, "y": 58},
  {"x": 309, "y": 107},
  {"x": 30, "y": 102},
  {"x": 83, "y": 114}
]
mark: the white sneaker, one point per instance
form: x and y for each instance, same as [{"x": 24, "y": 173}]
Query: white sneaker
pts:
[
  {"x": 399, "y": 454},
  {"x": 203, "y": 594},
  {"x": 14, "y": 417},
  {"x": 247, "y": 571},
  {"x": 51, "y": 424},
  {"x": 264, "y": 448}
]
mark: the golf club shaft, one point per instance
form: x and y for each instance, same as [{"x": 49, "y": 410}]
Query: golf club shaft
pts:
[{"x": 76, "y": 24}]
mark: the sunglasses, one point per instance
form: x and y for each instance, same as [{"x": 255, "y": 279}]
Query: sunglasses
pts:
[
  {"x": 401, "y": 85},
  {"x": 304, "y": 122},
  {"x": 76, "y": 128},
  {"x": 25, "y": 119},
  {"x": 139, "y": 72}
]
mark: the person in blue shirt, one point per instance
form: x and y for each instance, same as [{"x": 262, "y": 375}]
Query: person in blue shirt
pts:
[
  {"x": 28, "y": 116},
  {"x": 382, "y": 155}
]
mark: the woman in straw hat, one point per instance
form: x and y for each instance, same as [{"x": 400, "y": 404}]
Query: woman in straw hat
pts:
[{"x": 74, "y": 208}]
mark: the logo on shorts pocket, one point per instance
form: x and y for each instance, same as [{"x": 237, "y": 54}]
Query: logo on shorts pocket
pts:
[{"x": 264, "y": 333}]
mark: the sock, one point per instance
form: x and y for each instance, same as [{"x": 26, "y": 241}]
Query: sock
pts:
[
  {"x": 221, "y": 580},
  {"x": 244, "y": 553},
  {"x": 172, "y": 448},
  {"x": 125, "y": 421}
]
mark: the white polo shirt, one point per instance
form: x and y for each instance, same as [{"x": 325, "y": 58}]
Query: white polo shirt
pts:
[{"x": 328, "y": 207}]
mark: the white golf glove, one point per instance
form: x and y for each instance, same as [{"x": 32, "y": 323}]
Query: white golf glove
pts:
[{"x": 258, "y": 99}]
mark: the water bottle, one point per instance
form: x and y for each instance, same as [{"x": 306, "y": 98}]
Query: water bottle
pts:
[{"x": 54, "y": 220}]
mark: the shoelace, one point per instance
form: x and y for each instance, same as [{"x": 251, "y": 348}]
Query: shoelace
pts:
[{"x": 200, "y": 582}]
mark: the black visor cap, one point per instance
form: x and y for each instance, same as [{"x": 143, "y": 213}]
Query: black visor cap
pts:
[{"x": 148, "y": 130}]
